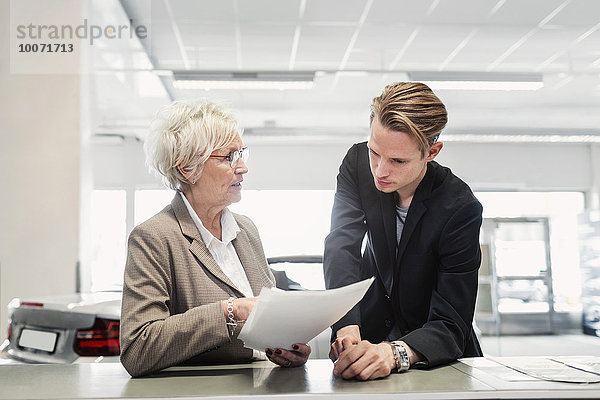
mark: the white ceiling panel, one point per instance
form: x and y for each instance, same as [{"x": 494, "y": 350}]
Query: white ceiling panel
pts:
[
  {"x": 213, "y": 59},
  {"x": 464, "y": 12},
  {"x": 542, "y": 45},
  {"x": 588, "y": 50},
  {"x": 268, "y": 10},
  {"x": 333, "y": 10},
  {"x": 434, "y": 43},
  {"x": 486, "y": 46},
  {"x": 276, "y": 37},
  {"x": 265, "y": 60},
  {"x": 365, "y": 59},
  {"x": 398, "y": 12},
  {"x": 579, "y": 12},
  {"x": 207, "y": 36},
  {"x": 323, "y": 45},
  {"x": 376, "y": 37},
  {"x": 199, "y": 11},
  {"x": 525, "y": 12},
  {"x": 331, "y": 35}
]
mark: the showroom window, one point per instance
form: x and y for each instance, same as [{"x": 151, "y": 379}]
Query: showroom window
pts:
[
  {"x": 560, "y": 210},
  {"x": 295, "y": 222},
  {"x": 108, "y": 232},
  {"x": 149, "y": 202},
  {"x": 290, "y": 222}
]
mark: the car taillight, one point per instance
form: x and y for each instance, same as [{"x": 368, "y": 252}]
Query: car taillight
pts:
[
  {"x": 102, "y": 339},
  {"x": 31, "y": 304}
]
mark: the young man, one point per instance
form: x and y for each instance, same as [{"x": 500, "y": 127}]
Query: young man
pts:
[{"x": 422, "y": 225}]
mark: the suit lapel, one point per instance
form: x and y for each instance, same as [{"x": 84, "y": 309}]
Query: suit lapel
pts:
[
  {"x": 198, "y": 247},
  {"x": 415, "y": 211},
  {"x": 244, "y": 251},
  {"x": 388, "y": 220}
]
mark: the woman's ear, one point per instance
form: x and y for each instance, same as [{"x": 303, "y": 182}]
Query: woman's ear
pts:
[{"x": 188, "y": 175}]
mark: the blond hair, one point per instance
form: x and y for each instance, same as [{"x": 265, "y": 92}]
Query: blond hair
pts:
[
  {"x": 411, "y": 107},
  {"x": 183, "y": 135}
]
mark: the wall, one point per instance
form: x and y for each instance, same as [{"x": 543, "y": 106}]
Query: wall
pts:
[
  {"x": 39, "y": 179},
  {"x": 294, "y": 164}
]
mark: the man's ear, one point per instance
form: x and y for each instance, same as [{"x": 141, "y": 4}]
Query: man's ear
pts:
[{"x": 434, "y": 150}]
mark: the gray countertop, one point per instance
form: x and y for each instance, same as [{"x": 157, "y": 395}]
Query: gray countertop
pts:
[{"x": 460, "y": 380}]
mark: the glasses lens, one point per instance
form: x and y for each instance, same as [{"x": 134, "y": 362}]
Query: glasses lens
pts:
[
  {"x": 236, "y": 155},
  {"x": 244, "y": 153}
]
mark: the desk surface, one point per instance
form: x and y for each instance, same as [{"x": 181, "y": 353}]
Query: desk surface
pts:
[{"x": 460, "y": 380}]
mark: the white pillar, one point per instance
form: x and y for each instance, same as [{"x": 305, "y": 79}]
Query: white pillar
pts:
[
  {"x": 39, "y": 176},
  {"x": 593, "y": 198}
]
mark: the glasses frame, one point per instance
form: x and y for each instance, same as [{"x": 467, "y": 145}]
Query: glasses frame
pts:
[{"x": 234, "y": 156}]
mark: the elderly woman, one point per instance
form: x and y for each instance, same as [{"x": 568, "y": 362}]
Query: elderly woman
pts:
[{"x": 194, "y": 268}]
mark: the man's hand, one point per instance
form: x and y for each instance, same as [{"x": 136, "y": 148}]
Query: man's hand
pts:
[
  {"x": 365, "y": 361},
  {"x": 345, "y": 338}
]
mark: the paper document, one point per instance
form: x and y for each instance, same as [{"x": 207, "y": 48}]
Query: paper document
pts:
[
  {"x": 557, "y": 369},
  {"x": 280, "y": 318}
]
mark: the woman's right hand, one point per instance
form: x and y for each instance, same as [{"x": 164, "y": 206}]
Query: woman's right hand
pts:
[{"x": 241, "y": 308}]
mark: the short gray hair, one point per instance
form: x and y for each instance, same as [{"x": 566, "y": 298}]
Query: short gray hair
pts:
[{"x": 184, "y": 134}]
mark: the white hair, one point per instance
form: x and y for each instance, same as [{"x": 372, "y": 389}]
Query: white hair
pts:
[{"x": 184, "y": 134}]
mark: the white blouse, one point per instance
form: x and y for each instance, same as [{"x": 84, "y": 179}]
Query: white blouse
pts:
[{"x": 222, "y": 250}]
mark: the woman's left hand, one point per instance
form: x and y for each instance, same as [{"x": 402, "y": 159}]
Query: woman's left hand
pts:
[{"x": 289, "y": 358}]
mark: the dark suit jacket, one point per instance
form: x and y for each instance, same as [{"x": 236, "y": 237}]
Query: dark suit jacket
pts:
[
  {"x": 429, "y": 287},
  {"x": 171, "y": 312}
]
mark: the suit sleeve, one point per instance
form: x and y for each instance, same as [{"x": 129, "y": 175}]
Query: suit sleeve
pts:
[
  {"x": 342, "y": 258},
  {"x": 152, "y": 338},
  {"x": 443, "y": 337}
]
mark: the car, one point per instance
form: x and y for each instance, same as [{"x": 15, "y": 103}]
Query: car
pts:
[
  {"x": 79, "y": 328},
  {"x": 591, "y": 315},
  {"x": 63, "y": 329}
]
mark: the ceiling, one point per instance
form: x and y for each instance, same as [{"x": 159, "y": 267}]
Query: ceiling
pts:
[{"x": 355, "y": 48}]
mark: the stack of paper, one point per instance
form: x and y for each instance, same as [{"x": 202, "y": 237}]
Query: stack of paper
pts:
[{"x": 280, "y": 319}]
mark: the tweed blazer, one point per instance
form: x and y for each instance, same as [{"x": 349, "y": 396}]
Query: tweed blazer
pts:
[{"x": 171, "y": 311}]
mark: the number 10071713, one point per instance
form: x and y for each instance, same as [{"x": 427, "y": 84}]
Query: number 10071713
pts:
[{"x": 45, "y": 48}]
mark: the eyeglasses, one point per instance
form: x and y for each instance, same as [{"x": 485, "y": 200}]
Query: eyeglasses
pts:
[{"x": 234, "y": 156}]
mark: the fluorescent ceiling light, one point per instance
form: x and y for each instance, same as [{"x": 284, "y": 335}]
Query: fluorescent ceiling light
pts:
[
  {"x": 256, "y": 85},
  {"x": 478, "y": 81},
  {"x": 483, "y": 85},
  {"x": 270, "y": 80},
  {"x": 510, "y": 138}
]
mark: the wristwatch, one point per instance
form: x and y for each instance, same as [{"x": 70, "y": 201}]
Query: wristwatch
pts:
[{"x": 400, "y": 356}]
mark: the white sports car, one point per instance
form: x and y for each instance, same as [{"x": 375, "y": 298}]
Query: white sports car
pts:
[{"x": 64, "y": 329}]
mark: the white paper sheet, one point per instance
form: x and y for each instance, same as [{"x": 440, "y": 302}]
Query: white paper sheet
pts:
[
  {"x": 280, "y": 318},
  {"x": 552, "y": 369}
]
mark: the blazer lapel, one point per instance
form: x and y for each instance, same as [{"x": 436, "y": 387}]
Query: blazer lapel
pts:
[
  {"x": 388, "y": 220},
  {"x": 415, "y": 212},
  {"x": 388, "y": 214},
  {"x": 198, "y": 247},
  {"x": 244, "y": 251}
]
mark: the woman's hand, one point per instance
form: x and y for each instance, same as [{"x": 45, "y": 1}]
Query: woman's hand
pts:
[
  {"x": 241, "y": 308},
  {"x": 287, "y": 358}
]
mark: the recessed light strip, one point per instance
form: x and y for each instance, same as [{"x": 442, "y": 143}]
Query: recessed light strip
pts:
[
  {"x": 242, "y": 84},
  {"x": 483, "y": 85},
  {"x": 499, "y": 138}
]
